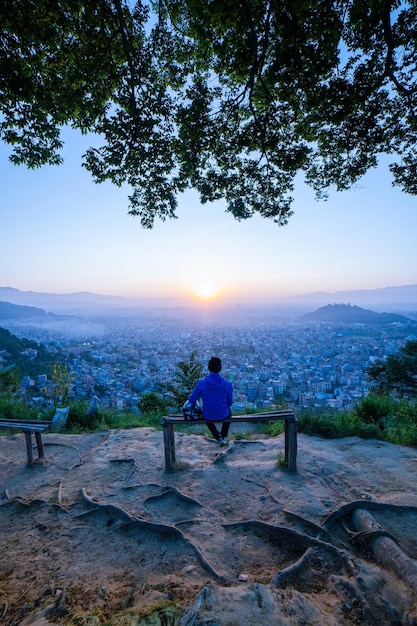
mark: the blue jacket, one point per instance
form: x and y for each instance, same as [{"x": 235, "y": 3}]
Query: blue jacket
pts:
[{"x": 217, "y": 395}]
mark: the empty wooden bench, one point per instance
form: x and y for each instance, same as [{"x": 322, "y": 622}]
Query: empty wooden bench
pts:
[
  {"x": 29, "y": 428},
  {"x": 169, "y": 423},
  {"x": 35, "y": 427}
]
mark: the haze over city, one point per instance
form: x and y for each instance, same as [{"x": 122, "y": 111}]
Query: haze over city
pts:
[{"x": 62, "y": 233}]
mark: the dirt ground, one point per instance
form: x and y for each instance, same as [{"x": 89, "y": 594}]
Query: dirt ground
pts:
[{"x": 100, "y": 533}]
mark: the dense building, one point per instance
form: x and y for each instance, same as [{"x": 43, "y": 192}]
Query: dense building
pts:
[{"x": 295, "y": 363}]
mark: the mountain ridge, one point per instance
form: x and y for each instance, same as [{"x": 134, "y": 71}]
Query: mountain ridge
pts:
[
  {"x": 403, "y": 296},
  {"x": 392, "y": 298}
]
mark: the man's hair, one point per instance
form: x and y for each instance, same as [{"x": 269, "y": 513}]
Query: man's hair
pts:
[{"x": 215, "y": 365}]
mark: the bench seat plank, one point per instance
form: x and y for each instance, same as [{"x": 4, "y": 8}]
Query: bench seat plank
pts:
[
  {"x": 290, "y": 431},
  {"x": 24, "y": 426},
  {"x": 251, "y": 417},
  {"x": 20, "y": 421}
]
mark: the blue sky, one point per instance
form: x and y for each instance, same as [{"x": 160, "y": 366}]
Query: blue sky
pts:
[{"x": 62, "y": 233}]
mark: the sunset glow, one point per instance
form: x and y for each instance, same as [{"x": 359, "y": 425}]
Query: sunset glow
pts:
[{"x": 206, "y": 291}]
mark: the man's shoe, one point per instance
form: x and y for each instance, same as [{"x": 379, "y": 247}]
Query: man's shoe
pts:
[{"x": 222, "y": 442}]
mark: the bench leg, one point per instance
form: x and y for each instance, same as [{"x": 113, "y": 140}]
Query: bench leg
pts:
[
  {"x": 286, "y": 442},
  {"x": 169, "y": 446},
  {"x": 291, "y": 445},
  {"x": 28, "y": 437},
  {"x": 38, "y": 437}
]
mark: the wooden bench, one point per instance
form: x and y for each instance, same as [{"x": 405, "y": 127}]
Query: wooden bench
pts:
[
  {"x": 36, "y": 427},
  {"x": 28, "y": 427},
  {"x": 169, "y": 423}
]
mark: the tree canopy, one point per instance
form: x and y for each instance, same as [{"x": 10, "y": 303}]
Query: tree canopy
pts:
[
  {"x": 233, "y": 98},
  {"x": 397, "y": 373}
]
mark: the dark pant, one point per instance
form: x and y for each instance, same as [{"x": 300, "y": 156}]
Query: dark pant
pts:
[{"x": 216, "y": 434}]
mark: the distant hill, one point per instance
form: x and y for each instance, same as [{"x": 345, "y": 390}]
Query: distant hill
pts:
[
  {"x": 402, "y": 298},
  {"x": 15, "y": 311},
  {"x": 64, "y": 303},
  {"x": 348, "y": 314}
]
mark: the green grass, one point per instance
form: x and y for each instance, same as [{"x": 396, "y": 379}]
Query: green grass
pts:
[
  {"x": 108, "y": 418},
  {"x": 328, "y": 424},
  {"x": 378, "y": 417},
  {"x": 10, "y": 409}
]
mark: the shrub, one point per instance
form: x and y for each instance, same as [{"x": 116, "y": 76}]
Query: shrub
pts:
[
  {"x": 106, "y": 418},
  {"x": 397, "y": 373},
  {"x": 401, "y": 427},
  {"x": 77, "y": 418},
  {"x": 374, "y": 410},
  {"x": 274, "y": 428},
  {"x": 388, "y": 418},
  {"x": 151, "y": 403},
  {"x": 369, "y": 431},
  {"x": 13, "y": 409},
  {"x": 327, "y": 423}
]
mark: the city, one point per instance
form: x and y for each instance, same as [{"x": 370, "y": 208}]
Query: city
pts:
[{"x": 272, "y": 359}]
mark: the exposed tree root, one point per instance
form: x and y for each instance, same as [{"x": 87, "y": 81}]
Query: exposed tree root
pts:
[
  {"x": 355, "y": 603},
  {"x": 383, "y": 545},
  {"x": 386, "y": 551},
  {"x": 320, "y": 532},
  {"x": 366, "y": 505},
  {"x": 186, "y": 522},
  {"x": 47, "y": 615},
  {"x": 37, "y": 501},
  {"x": 370, "y": 534},
  {"x": 188, "y": 618},
  {"x": 59, "y": 493},
  {"x": 28, "y": 588},
  {"x": 248, "y": 480},
  {"x": 110, "y": 508},
  {"x": 4, "y": 611},
  {"x": 307, "y": 567},
  {"x": 302, "y": 540},
  {"x": 284, "y": 577},
  {"x": 5, "y": 497},
  {"x": 155, "y": 527},
  {"x": 167, "y": 489}
]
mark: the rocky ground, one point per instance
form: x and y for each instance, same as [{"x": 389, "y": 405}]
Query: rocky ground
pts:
[{"x": 100, "y": 533}]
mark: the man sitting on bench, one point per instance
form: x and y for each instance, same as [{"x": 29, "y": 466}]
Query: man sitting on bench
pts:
[{"x": 217, "y": 395}]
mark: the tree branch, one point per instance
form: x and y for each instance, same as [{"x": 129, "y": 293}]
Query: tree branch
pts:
[
  {"x": 127, "y": 47},
  {"x": 389, "y": 60}
]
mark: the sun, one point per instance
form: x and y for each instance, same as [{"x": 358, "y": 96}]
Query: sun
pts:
[{"x": 206, "y": 291}]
